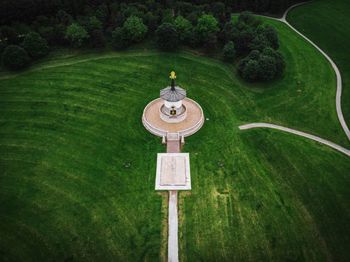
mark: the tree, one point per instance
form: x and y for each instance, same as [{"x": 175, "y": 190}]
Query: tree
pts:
[
  {"x": 228, "y": 32},
  {"x": 167, "y": 36},
  {"x": 207, "y": 25},
  {"x": 260, "y": 42},
  {"x": 250, "y": 70},
  {"x": 35, "y": 45},
  {"x": 271, "y": 35},
  {"x": 134, "y": 29},
  {"x": 15, "y": 57},
  {"x": 243, "y": 39},
  {"x": 97, "y": 39},
  {"x": 279, "y": 60},
  {"x": 118, "y": 38},
  {"x": 102, "y": 13},
  {"x": 93, "y": 24},
  {"x": 264, "y": 66},
  {"x": 8, "y": 35},
  {"x": 184, "y": 28},
  {"x": 76, "y": 34},
  {"x": 229, "y": 52}
]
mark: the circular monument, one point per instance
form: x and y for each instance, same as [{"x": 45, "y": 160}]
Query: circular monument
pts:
[{"x": 173, "y": 112}]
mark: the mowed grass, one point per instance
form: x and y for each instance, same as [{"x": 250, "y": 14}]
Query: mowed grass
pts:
[
  {"x": 78, "y": 168},
  {"x": 327, "y": 23}
]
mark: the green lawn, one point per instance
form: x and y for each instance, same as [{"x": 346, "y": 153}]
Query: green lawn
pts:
[
  {"x": 77, "y": 168},
  {"x": 327, "y": 23}
]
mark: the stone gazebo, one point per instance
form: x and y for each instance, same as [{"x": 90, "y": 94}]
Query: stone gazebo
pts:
[
  {"x": 173, "y": 110},
  {"x": 173, "y": 113}
]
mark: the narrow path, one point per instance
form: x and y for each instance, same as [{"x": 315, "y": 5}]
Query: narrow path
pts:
[
  {"x": 173, "y": 249},
  {"x": 341, "y": 119},
  {"x": 334, "y": 66},
  {"x": 299, "y": 133},
  {"x": 173, "y": 145}
]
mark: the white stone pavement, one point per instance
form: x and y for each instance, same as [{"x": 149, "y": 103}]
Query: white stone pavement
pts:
[
  {"x": 173, "y": 248},
  {"x": 299, "y": 133}
]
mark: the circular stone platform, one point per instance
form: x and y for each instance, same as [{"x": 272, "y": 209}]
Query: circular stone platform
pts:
[{"x": 154, "y": 124}]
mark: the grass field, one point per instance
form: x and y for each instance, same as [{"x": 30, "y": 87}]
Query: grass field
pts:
[
  {"x": 327, "y": 23},
  {"x": 78, "y": 168}
]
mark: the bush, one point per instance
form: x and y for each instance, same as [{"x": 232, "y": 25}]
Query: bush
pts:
[
  {"x": 167, "y": 36},
  {"x": 76, "y": 34},
  {"x": 35, "y": 45},
  {"x": 134, "y": 29},
  {"x": 229, "y": 52},
  {"x": 15, "y": 57}
]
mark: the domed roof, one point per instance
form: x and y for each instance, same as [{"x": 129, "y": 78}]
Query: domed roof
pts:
[{"x": 173, "y": 94}]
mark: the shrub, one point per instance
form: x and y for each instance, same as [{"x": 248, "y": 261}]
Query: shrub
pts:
[
  {"x": 15, "y": 57},
  {"x": 134, "y": 29},
  {"x": 76, "y": 34},
  {"x": 35, "y": 45},
  {"x": 229, "y": 52},
  {"x": 167, "y": 36}
]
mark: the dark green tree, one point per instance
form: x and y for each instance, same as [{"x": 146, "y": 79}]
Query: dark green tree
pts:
[
  {"x": 97, "y": 39},
  {"x": 167, "y": 36},
  {"x": 76, "y": 34},
  {"x": 15, "y": 57},
  {"x": 134, "y": 29},
  {"x": 35, "y": 45},
  {"x": 207, "y": 25},
  {"x": 184, "y": 29},
  {"x": 229, "y": 52},
  {"x": 119, "y": 40}
]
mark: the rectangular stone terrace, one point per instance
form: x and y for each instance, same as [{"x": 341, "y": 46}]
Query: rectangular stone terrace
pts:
[{"x": 173, "y": 171}]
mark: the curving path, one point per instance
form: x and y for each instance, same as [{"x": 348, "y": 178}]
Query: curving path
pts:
[
  {"x": 283, "y": 19},
  {"x": 299, "y": 133},
  {"x": 335, "y": 68}
]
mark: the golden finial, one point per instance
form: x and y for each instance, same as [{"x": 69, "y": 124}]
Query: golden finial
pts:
[{"x": 172, "y": 75}]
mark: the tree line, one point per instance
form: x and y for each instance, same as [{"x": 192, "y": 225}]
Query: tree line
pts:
[{"x": 172, "y": 24}]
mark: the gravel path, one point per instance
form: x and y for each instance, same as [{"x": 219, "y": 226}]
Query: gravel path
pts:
[{"x": 296, "y": 132}]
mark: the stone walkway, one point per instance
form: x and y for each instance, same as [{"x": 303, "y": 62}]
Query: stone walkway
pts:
[
  {"x": 173, "y": 146},
  {"x": 299, "y": 133},
  {"x": 173, "y": 242}
]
